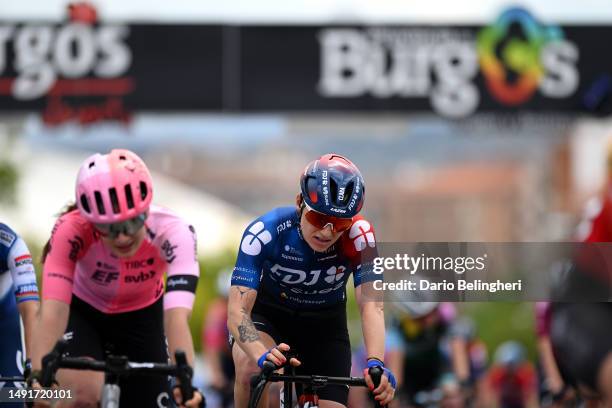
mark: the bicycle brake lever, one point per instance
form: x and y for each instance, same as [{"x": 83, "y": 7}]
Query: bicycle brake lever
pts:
[
  {"x": 184, "y": 373},
  {"x": 50, "y": 363}
]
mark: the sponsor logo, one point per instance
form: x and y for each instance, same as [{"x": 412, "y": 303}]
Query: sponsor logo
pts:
[
  {"x": 141, "y": 263},
  {"x": 6, "y": 238},
  {"x": 334, "y": 274},
  {"x": 168, "y": 249},
  {"x": 76, "y": 244},
  {"x": 292, "y": 276},
  {"x": 253, "y": 242},
  {"x": 283, "y": 226},
  {"x": 362, "y": 235},
  {"x": 58, "y": 61},
  {"x": 292, "y": 250},
  {"x": 104, "y": 278},
  {"x": 174, "y": 282},
  {"x": 141, "y": 277},
  {"x": 26, "y": 289},
  {"x": 516, "y": 55},
  {"x": 23, "y": 260},
  {"x": 515, "y": 67}
]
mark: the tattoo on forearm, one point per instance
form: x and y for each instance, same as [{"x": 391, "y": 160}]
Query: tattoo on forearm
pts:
[{"x": 247, "y": 331}]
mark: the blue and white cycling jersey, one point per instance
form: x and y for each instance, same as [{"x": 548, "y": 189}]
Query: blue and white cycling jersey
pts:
[
  {"x": 17, "y": 276},
  {"x": 17, "y": 284},
  {"x": 274, "y": 257}
]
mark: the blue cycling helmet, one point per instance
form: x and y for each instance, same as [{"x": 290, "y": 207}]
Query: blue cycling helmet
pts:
[
  {"x": 510, "y": 354},
  {"x": 333, "y": 185}
]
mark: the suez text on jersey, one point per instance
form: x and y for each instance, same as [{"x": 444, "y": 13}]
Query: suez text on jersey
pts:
[
  {"x": 74, "y": 50},
  {"x": 397, "y": 62}
]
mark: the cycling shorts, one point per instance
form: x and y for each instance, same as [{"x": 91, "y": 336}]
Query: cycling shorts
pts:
[
  {"x": 320, "y": 339},
  {"x": 139, "y": 335}
]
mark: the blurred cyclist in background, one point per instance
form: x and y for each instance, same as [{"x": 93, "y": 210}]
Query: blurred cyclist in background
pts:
[
  {"x": 18, "y": 297},
  {"x": 512, "y": 378},
  {"x": 217, "y": 353},
  {"x": 103, "y": 287},
  {"x": 554, "y": 391},
  {"x": 429, "y": 349},
  {"x": 289, "y": 284},
  {"x": 579, "y": 332}
]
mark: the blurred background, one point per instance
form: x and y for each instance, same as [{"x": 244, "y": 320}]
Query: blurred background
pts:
[{"x": 470, "y": 121}]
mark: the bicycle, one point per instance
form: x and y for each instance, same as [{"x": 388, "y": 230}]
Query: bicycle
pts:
[
  {"x": 116, "y": 367},
  {"x": 313, "y": 383}
]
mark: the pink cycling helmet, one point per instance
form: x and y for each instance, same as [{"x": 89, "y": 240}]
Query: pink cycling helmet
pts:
[{"x": 113, "y": 187}]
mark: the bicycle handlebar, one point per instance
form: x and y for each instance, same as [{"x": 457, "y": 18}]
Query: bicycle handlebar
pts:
[
  {"x": 118, "y": 366},
  {"x": 317, "y": 381}
]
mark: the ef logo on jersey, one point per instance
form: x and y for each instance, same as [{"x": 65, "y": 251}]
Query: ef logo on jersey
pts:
[{"x": 253, "y": 243}]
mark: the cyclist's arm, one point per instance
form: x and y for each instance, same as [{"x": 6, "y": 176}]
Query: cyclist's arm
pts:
[
  {"x": 239, "y": 323},
  {"x": 51, "y": 324},
  {"x": 26, "y": 290},
  {"x": 176, "y": 324},
  {"x": 553, "y": 378},
  {"x": 460, "y": 358},
  {"x": 68, "y": 243},
  {"x": 183, "y": 275},
  {"x": 372, "y": 323}
]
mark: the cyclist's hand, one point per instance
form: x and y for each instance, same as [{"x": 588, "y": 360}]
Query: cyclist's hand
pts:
[
  {"x": 276, "y": 356},
  {"x": 35, "y": 385},
  {"x": 386, "y": 389},
  {"x": 195, "y": 402}
]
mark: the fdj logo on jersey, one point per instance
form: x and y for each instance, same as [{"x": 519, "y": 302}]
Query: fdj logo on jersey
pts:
[
  {"x": 538, "y": 57},
  {"x": 253, "y": 242}
]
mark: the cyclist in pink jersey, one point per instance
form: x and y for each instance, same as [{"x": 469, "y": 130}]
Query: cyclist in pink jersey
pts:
[{"x": 103, "y": 286}]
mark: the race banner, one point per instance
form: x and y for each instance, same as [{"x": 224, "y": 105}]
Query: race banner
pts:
[{"x": 87, "y": 70}]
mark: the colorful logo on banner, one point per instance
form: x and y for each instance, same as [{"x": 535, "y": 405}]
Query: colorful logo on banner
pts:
[
  {"x": 511, "y": 55},
  {"x": 78, "y": 66}
]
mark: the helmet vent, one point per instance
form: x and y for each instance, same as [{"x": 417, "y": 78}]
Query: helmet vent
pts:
[
  {"x": 85, "y": 204},
  {"x": 91, "y": 164},
  {"x": 128, "y": 196},
  {"x": 333, "y": 189},
  {"x": 122, "y": 157},
  {"x": 348, "y": 192},
  {"x": 143, "y": 190},
  {"x": 112, "y": 192},
  {"x": 311, "y": 188},
  {"x": 99, "y": 203}
]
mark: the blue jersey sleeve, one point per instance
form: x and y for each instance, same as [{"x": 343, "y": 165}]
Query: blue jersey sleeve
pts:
[{"x": 255, "y": 245}]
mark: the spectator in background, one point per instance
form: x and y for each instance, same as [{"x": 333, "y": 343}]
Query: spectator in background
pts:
[
  {"x": 512, "y": 378},
  {"x": 215, "y": 346}
]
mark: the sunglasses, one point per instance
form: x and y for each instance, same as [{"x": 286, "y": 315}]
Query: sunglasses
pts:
[
  {"x": 321, "y": 221},
  {"x": 127, "y": 227}
]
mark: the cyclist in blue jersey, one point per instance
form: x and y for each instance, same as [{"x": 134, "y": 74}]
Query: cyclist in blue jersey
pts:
[
  {"x": 18, "y": 296},
  {"x": 289, "y": 285}
]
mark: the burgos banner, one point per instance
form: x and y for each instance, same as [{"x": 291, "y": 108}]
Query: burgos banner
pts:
[{"x": 88, "y": 70}]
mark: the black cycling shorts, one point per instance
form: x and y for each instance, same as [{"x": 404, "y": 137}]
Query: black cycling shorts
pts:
[
  {"x": 139, "y": 335},
  {"x": 319, "y": 338}
]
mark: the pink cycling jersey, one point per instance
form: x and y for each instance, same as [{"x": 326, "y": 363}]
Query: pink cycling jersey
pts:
[{"x": 80, "y": 263}]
